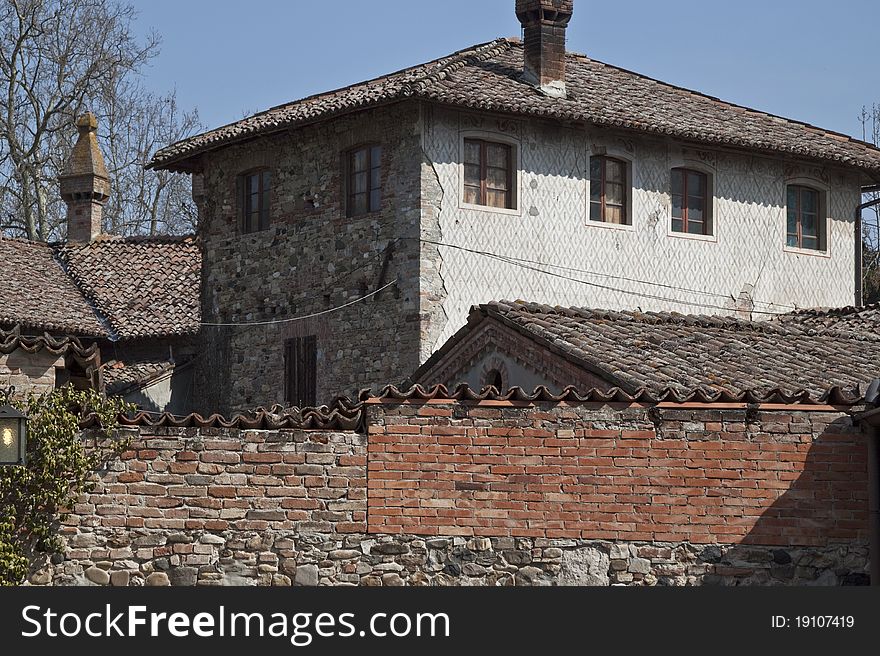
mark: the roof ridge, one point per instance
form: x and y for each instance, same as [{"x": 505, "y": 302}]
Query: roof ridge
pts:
[
  {"x": 24, "y": 241},
  {"x": 456, "y": 61},
  {"x": 102, "y": 240},
  {"x": 729, "y": 103},
  {"x": 87, "y": 293},
  {"x": 672, "y": 318}
]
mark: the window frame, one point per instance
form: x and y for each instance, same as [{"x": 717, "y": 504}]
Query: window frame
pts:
[
  {"x": 821, "y": 218},
  {"x": 514, "y": 170},
  {"x": 297, "y": 349},
  {"x": 350, "y": 172},
  {"x": 484, "y": 167},
  {"x": 245, "y": 212},
  {"x": 709, "y": 195},
  {"x": 604, "y": 155}
]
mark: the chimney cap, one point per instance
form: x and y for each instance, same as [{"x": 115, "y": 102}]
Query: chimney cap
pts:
[
  {"x": 88, "y": 122},
  {"x": 85, "y": 158},
  {"x": 551, "y": 10}
]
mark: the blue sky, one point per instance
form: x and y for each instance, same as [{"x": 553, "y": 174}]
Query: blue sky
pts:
[{"x": 809, "y": 60}]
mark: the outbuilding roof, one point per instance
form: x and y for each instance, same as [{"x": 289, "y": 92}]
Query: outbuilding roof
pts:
[{"x": 656, "y": 351}]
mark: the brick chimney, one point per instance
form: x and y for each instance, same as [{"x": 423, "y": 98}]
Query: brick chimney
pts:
[
  {"x": 85, "y": 185},
  {"x": 544, "y": 23}
]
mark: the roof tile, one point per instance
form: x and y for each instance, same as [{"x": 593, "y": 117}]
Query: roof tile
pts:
[
  {"x": 488, "y": 77},
  {"x": 36, "y": 294},
  {"x": 143, "y": 286}
]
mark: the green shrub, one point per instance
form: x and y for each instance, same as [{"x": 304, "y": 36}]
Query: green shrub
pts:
[{"x": 60, "y": 466}]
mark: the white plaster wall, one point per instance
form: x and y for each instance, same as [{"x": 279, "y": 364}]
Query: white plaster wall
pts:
[{"x": 640, "y": 266}]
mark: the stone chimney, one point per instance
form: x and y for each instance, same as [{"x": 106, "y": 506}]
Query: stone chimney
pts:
[
  {"x": 544, "y": 23},
  {"x": 85, "y": 185}
]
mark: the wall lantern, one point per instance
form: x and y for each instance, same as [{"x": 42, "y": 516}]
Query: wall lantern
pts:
[{"x": 13, "y": 435}]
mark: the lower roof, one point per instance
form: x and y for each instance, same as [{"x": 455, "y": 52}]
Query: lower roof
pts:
[
  {"x": 658, "y": 351},
  {"x": 112, "y": 288}
]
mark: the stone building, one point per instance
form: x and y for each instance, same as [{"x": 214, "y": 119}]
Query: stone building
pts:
[
  {"x": 118, "y": 314},
  {"x": 346, "y": 235}
]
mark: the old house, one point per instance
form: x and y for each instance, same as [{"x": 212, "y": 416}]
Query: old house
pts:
[
  {"x": 346, "y": 235},
  {"x": 113, "y": 313},
  {"x": 518, "y": 344}
]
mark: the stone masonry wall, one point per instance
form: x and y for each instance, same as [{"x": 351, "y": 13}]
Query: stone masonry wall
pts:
[
  {"x": 614, "y": 472},
  {"x": 455, "y": 493},
  {"x": 119, "y": 557},
  {"x": 29, "y": 372},
  {"x": 312, "y": 258}
]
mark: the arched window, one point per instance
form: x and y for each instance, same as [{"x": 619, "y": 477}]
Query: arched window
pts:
[{"x": 494, "y": 378}]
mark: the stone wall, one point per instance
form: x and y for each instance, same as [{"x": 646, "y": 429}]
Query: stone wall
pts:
[
  {"x": 489, "y": 493},
  {"x": 618, "y": 472},
  {"x": 29, "y": 372},
  {"x": 312, "y": 258},
  {"x": 102, "y": 556}
]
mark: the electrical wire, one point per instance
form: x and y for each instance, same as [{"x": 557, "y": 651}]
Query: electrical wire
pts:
[
  {"x": 526, "y": 264},
  {"x": 604, "y": 275},
  {"x": 306, "y": 316},
  {"x": 531, "y": 265}
]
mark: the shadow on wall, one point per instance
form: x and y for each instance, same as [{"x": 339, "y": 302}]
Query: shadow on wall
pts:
[{"x": 818, "y": 527}]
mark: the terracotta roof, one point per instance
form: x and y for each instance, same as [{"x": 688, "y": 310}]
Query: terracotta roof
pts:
[
  {"x": 120, "y": 376},
  {"x": 344, "y": 414},
  {"x": 35, "y": 294},
  {"x": 851, "y": 322},
  {"x": 12, "y": 341},
  {"x": 487, "y": 77},
  {"x": 141, "y": 286},
  {"x": 319, "y": 418},
  {"x": 834, "y": 395},
  {"x": 658, "y": 351}
]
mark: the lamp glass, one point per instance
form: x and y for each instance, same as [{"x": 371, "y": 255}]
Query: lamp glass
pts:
[{"x": 10, "y": 442}]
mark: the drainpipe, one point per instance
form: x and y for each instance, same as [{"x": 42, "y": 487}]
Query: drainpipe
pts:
[
  {"x": 859, "y": 295},
  {"x": 871, "y": 421}
]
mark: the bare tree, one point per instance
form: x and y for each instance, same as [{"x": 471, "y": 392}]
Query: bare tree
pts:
[
  {"x": 59, "y": 58},
  {"x": 136, "y": 124},
  {"x": 870, "y": 119}
]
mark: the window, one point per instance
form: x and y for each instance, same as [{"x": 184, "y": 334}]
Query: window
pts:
[
  {"x": 690, "y": 202},
  {"x": 805, "y": 223},
  {"x": 364, "y": 180},
  {"x": 488, "y": 174},
  {"x": 255, "y": 189},
  {"x": 608, "y": 190},
  {"x": 494, "y": 378},
  {"x": 300, "y": 370}
]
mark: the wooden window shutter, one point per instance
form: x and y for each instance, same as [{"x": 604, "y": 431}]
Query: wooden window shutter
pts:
[{"x": 301, "y": 367}]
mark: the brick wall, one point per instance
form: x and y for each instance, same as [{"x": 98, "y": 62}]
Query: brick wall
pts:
[
  {"x": 216, "y": 479},
  {"x": 700, "y": 475},
  {"x": 458, "y": 493}
]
